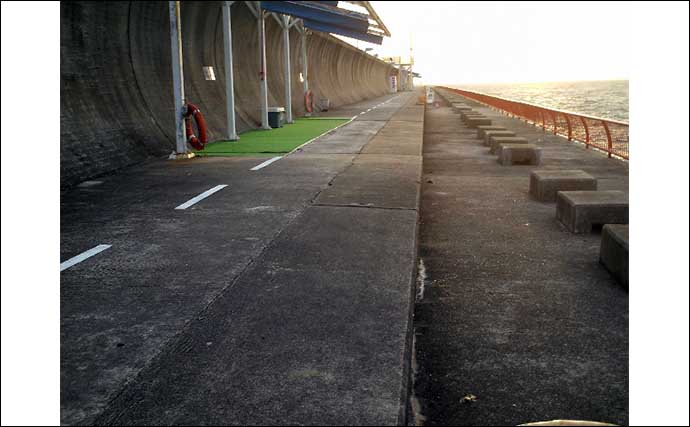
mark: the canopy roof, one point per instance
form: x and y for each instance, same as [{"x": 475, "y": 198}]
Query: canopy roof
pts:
[{"x": 327, "y": 17}]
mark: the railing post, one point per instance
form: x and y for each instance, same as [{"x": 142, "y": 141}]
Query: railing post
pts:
[
  {"x": 570, "y": 129},
  {"x": 543, "y": 120},
  {"x": 584, "y": 123},
  {"x": 555, "y": 123},
  {"x": 608, "y": 137}
]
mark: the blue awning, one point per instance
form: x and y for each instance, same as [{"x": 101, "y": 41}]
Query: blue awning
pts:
[
  {"x": 335, "y": 29},
  {"x": 326, "y": 17},
  {"x": 322, "y": 13}
]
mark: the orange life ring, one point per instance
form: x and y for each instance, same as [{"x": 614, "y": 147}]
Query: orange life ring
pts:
[
  {"x": 197, "y": 142},
  {"x": 309, "y": 101}
]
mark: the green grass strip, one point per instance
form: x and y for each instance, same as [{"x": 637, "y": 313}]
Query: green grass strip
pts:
[{"x": 274, "y": 141}]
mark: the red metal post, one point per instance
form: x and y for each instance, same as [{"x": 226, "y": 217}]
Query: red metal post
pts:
[
  {"x": 608, "y": 136},
  {"x": 584, "y": 123},
  {"x": 543, "y": 120},
  {"x": 570, "y": 129}
]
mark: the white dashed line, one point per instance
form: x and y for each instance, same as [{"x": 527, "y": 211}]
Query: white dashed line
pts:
[
  {"x": 200, "y": 197},
  {"x": 325, "y": 133},
  {"x": 82, "y": 256},
  {"x": 266, "y": 163}
]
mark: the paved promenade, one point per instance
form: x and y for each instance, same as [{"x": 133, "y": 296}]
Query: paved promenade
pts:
[
  {"x": 283, "y": 298},
  {"x": 517, "y": 311}
]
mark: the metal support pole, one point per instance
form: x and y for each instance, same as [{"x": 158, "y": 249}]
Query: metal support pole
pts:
[
  {"x": 178, "y": 75},
  {"x": 286, "y": 52},
  {"x": 229, "y": 78},
  {"x": 305, "y": 63},
  {"x": 263, "y": 84}
]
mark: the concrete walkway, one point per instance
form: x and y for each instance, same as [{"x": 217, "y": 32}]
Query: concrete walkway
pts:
[
  {"x": 284, "y": 298},
  {"x": 516, "y": 311}
]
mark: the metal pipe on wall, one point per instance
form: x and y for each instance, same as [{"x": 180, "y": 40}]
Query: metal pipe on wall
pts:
[
  {"x": 305, "y": 63},
  {"x": 288, "y": 81},
  {"x": 229, "y": 73},
  {"x": 263, "y": 84},
  {"x": 177, "y": 75}
]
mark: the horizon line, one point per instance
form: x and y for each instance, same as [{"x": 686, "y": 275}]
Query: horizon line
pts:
[{"x": 531, "y": 81}]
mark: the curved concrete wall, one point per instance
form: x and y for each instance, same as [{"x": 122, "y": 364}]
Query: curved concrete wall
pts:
[{"x": 116, "y": 82}]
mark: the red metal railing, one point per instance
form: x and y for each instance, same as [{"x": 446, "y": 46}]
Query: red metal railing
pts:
[{"x": 610, "y": 136}]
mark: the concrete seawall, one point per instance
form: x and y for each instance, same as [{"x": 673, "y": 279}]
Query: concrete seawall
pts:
[{"x": 116, "y": 84}]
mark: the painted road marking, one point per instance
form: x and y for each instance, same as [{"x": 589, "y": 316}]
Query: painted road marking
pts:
[
  {"x": 325, "y": 133},
  {"x": 376, "y": 106},
  {"x": 82, "y": 256},
  {"x": 266, "y": 163},
  {"x": 201, "y": 197}
]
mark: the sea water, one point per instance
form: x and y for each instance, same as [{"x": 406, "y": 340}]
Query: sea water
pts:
[{"x": 607, "y": 99}]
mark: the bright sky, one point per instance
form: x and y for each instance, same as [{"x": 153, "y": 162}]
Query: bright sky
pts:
[{"x": 491, "y": 42}]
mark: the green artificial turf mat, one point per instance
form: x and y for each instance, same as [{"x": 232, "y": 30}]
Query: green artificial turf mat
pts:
[{"x": 274, "y": 141}]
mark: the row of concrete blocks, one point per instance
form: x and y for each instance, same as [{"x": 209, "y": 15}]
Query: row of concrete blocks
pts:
[
  {"x": 452, "y": 98},
  {"x": 514, "y": 153},
  {"x": 579, "y": 206},
  {"x": 510, "y": 148},
  {"x": 471, "y": 118}
]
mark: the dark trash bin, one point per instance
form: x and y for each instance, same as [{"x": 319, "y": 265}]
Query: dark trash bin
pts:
[
  {"x": 276, "y": 117},
  {"x": 325, "y": 104}
]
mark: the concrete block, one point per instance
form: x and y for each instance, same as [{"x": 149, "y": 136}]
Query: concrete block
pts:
[
  {"x": 519, "y": 154},
  {"x": 473, "y": 122},
  {"x": 482, "y": 129},
  {"x": 466, "y": 113},
  {"x": 580, "y": 210},
  {"x": 497, "y": 133},
  {"x": 613, "y": 253},
  {"x": 544, "y": 184},
  {"x": 495, "y": 141},
  {"x": 473, "y": 116},
  {"x": 499, "y": 149},
  {"x": 458, "y": 107}
]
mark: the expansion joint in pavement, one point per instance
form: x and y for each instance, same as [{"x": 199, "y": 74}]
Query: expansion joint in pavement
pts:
[{"x": 389, "y": 208}]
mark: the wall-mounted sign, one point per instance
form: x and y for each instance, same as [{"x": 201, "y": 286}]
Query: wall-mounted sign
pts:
[
  {"x": 393, "y": 83},
  {"x": 208, "y": 73},
  {"x": 429, "y": 95}
]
